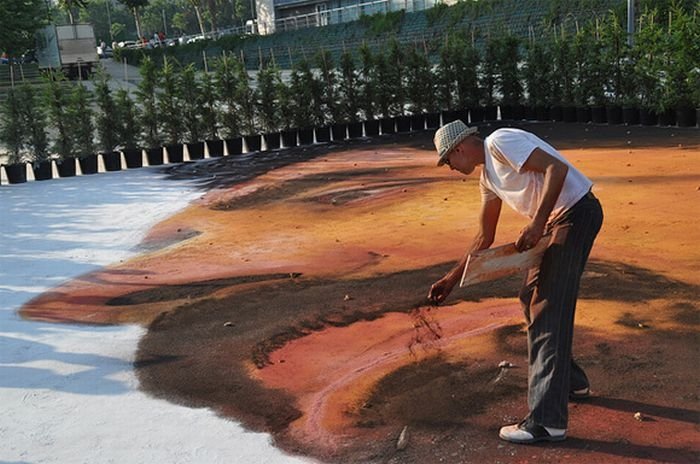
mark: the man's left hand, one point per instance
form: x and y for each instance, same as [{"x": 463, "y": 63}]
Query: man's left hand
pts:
[{"x": 529, "y": 236}]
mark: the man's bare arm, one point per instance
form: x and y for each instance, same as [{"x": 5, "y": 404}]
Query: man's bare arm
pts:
[
  {"x": 554, "y": 171},
  {"x": 488, "y": 220}
]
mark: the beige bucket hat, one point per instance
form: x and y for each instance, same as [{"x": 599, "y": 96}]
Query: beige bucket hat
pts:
[{"x": 449, "y": 136}]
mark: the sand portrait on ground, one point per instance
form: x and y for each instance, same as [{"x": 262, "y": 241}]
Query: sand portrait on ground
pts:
[{"x": 291, "y": 297}]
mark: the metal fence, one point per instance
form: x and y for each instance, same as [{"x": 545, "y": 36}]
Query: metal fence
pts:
[{"x": 349, "y": 13}]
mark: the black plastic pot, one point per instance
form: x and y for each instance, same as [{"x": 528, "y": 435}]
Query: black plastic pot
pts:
[
  {"x": 449, "y": 116},
  {"x": 42, "y": 170},
  {"x": 234, "y": 146},
  {"x": 215, "y": 148},
  {"x": 388, "y": 125},
  {"x": 648, "y": 117},
  {"x": 529, "y": 113},
  {"x": 88, "y": 164},
  {"x": 417, "y": 122},
  {"x": 253, "y": 142},
  {"x": 323, "y": 134},
  {"x": 154, "y": 156},
  {"x": 403, "y": 124},
  {"x": 289, "y": 138},
  {"x": 354, "y": 130},
  {"x": 372, "y": 128},
  {"x": 569, "y": 113},
  {"x": 196, "y": 150},
  {"x": 630, "y": 116},
  {"x": 475, "y": 115},
  {"x": 512, "y": 112},
  {"x": 133, "y": 158},
  {"x": 272, "y": 140},
  {"x": 598, "y": 114},
  {"x": 583, "y": 114},
  {"x": 66, "y": 167},
  {"x": 16, "y": 173},
  {"x": 339, "y": 131},
  {"x": 175, "y": 153},
  {"x": 490, "y": 113},
  {"x": 542, "y": 113},
  {"x": 306, "y": 136},
  {"x": 667, "y": 118},
  {"x": 613, "y": 114},
  {"x": 112, "y": 161},
  {"x": 432, "y": 120},
  {"x": 686, "y": 117},
  {"x": 556, "y": 113}
]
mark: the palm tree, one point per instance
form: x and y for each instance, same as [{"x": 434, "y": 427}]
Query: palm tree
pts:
[
  {"x": 135, "y": 6},
  {"x": 69, "y": 5}
]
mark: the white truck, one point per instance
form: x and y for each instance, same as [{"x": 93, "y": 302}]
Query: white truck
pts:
[{"x": 71, "y": 48}]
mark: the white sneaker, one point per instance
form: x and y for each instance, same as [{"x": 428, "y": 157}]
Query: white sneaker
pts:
[{"x": 528, "y": 432}]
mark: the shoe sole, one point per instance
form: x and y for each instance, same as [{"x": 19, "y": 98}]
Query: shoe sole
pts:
[{"x": 533, "y": 440}]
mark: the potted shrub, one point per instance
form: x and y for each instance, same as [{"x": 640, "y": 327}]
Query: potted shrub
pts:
[
  {"x": 681, "y": 61},
  {"x": 245, "y": 97},
  {"x": 107, "y": 122},
  {"x": 466, "y": 61},
  {"x": 208, "y": 116},
  {"x": 328, "y": 96},
  {"x": 419, "y": 90},
  {"x": 190, "y": 112},
  {"x": 445, "y": 85},
  {"x": 392, "y": 85},
  {"x": 538, "y": 77},
  {"x": 584, "y": 81},
  {"x": 303, "y": 101},
  {"x": 82, "y": 130},
  {"x": 169, "y": 103},
  {"x": 348, "y": 95},
  {"x": 563, "y": 76},
  {"x": 509, "y": 84},
  {"x": 147, "y": 98},
  {"x": 366, "y": 82},
  {"x": 57, "y": 103},
  {"x": 12, "y": 137},
  {"x": 616, "y": 60},
  {"x": 229, "y": 119},
  {"x": 268, "y": 115},
  {"x": 35, "y": 137},
  {"x": 288, "y": 133},
  {"x": 127, "y": 128},
  {"x": 488, "y": 83}
]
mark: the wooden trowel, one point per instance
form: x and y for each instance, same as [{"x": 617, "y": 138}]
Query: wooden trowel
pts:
[{"x": 502, "y": 261}]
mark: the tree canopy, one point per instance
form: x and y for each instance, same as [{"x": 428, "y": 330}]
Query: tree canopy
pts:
[{"x": 21, "y": 19}]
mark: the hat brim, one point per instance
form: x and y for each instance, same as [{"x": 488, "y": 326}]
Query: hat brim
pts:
[{"x": 463, "y": 135}]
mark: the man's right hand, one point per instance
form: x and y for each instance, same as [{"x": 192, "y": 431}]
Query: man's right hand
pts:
[{"x": 441, "y": 289}]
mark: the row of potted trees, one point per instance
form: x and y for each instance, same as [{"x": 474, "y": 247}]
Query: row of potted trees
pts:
[
  {"x": 589, "y": 75},
  {"x": 594, "y": 74}
]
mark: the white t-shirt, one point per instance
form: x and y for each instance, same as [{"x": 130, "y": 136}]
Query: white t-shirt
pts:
[{"x": 505, "y": 152}]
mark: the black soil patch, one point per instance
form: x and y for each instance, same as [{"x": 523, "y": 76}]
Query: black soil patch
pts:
[
  {"x": 199, "y": 353},
  {"x": 435, "y": 392},
  {"x": 191, "y": 290}
]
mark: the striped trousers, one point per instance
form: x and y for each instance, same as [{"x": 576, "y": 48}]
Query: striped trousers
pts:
[{"x": 548, "y": 298}]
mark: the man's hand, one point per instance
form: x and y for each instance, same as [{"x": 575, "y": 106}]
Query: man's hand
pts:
[
  {"x": 529, "y": 236},
  {"x": 442, "y": 288}
]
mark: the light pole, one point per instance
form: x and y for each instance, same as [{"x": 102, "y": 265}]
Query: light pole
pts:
[
  {"x": 109, "y": 20},
  {"x": 630, "y": 22}
]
